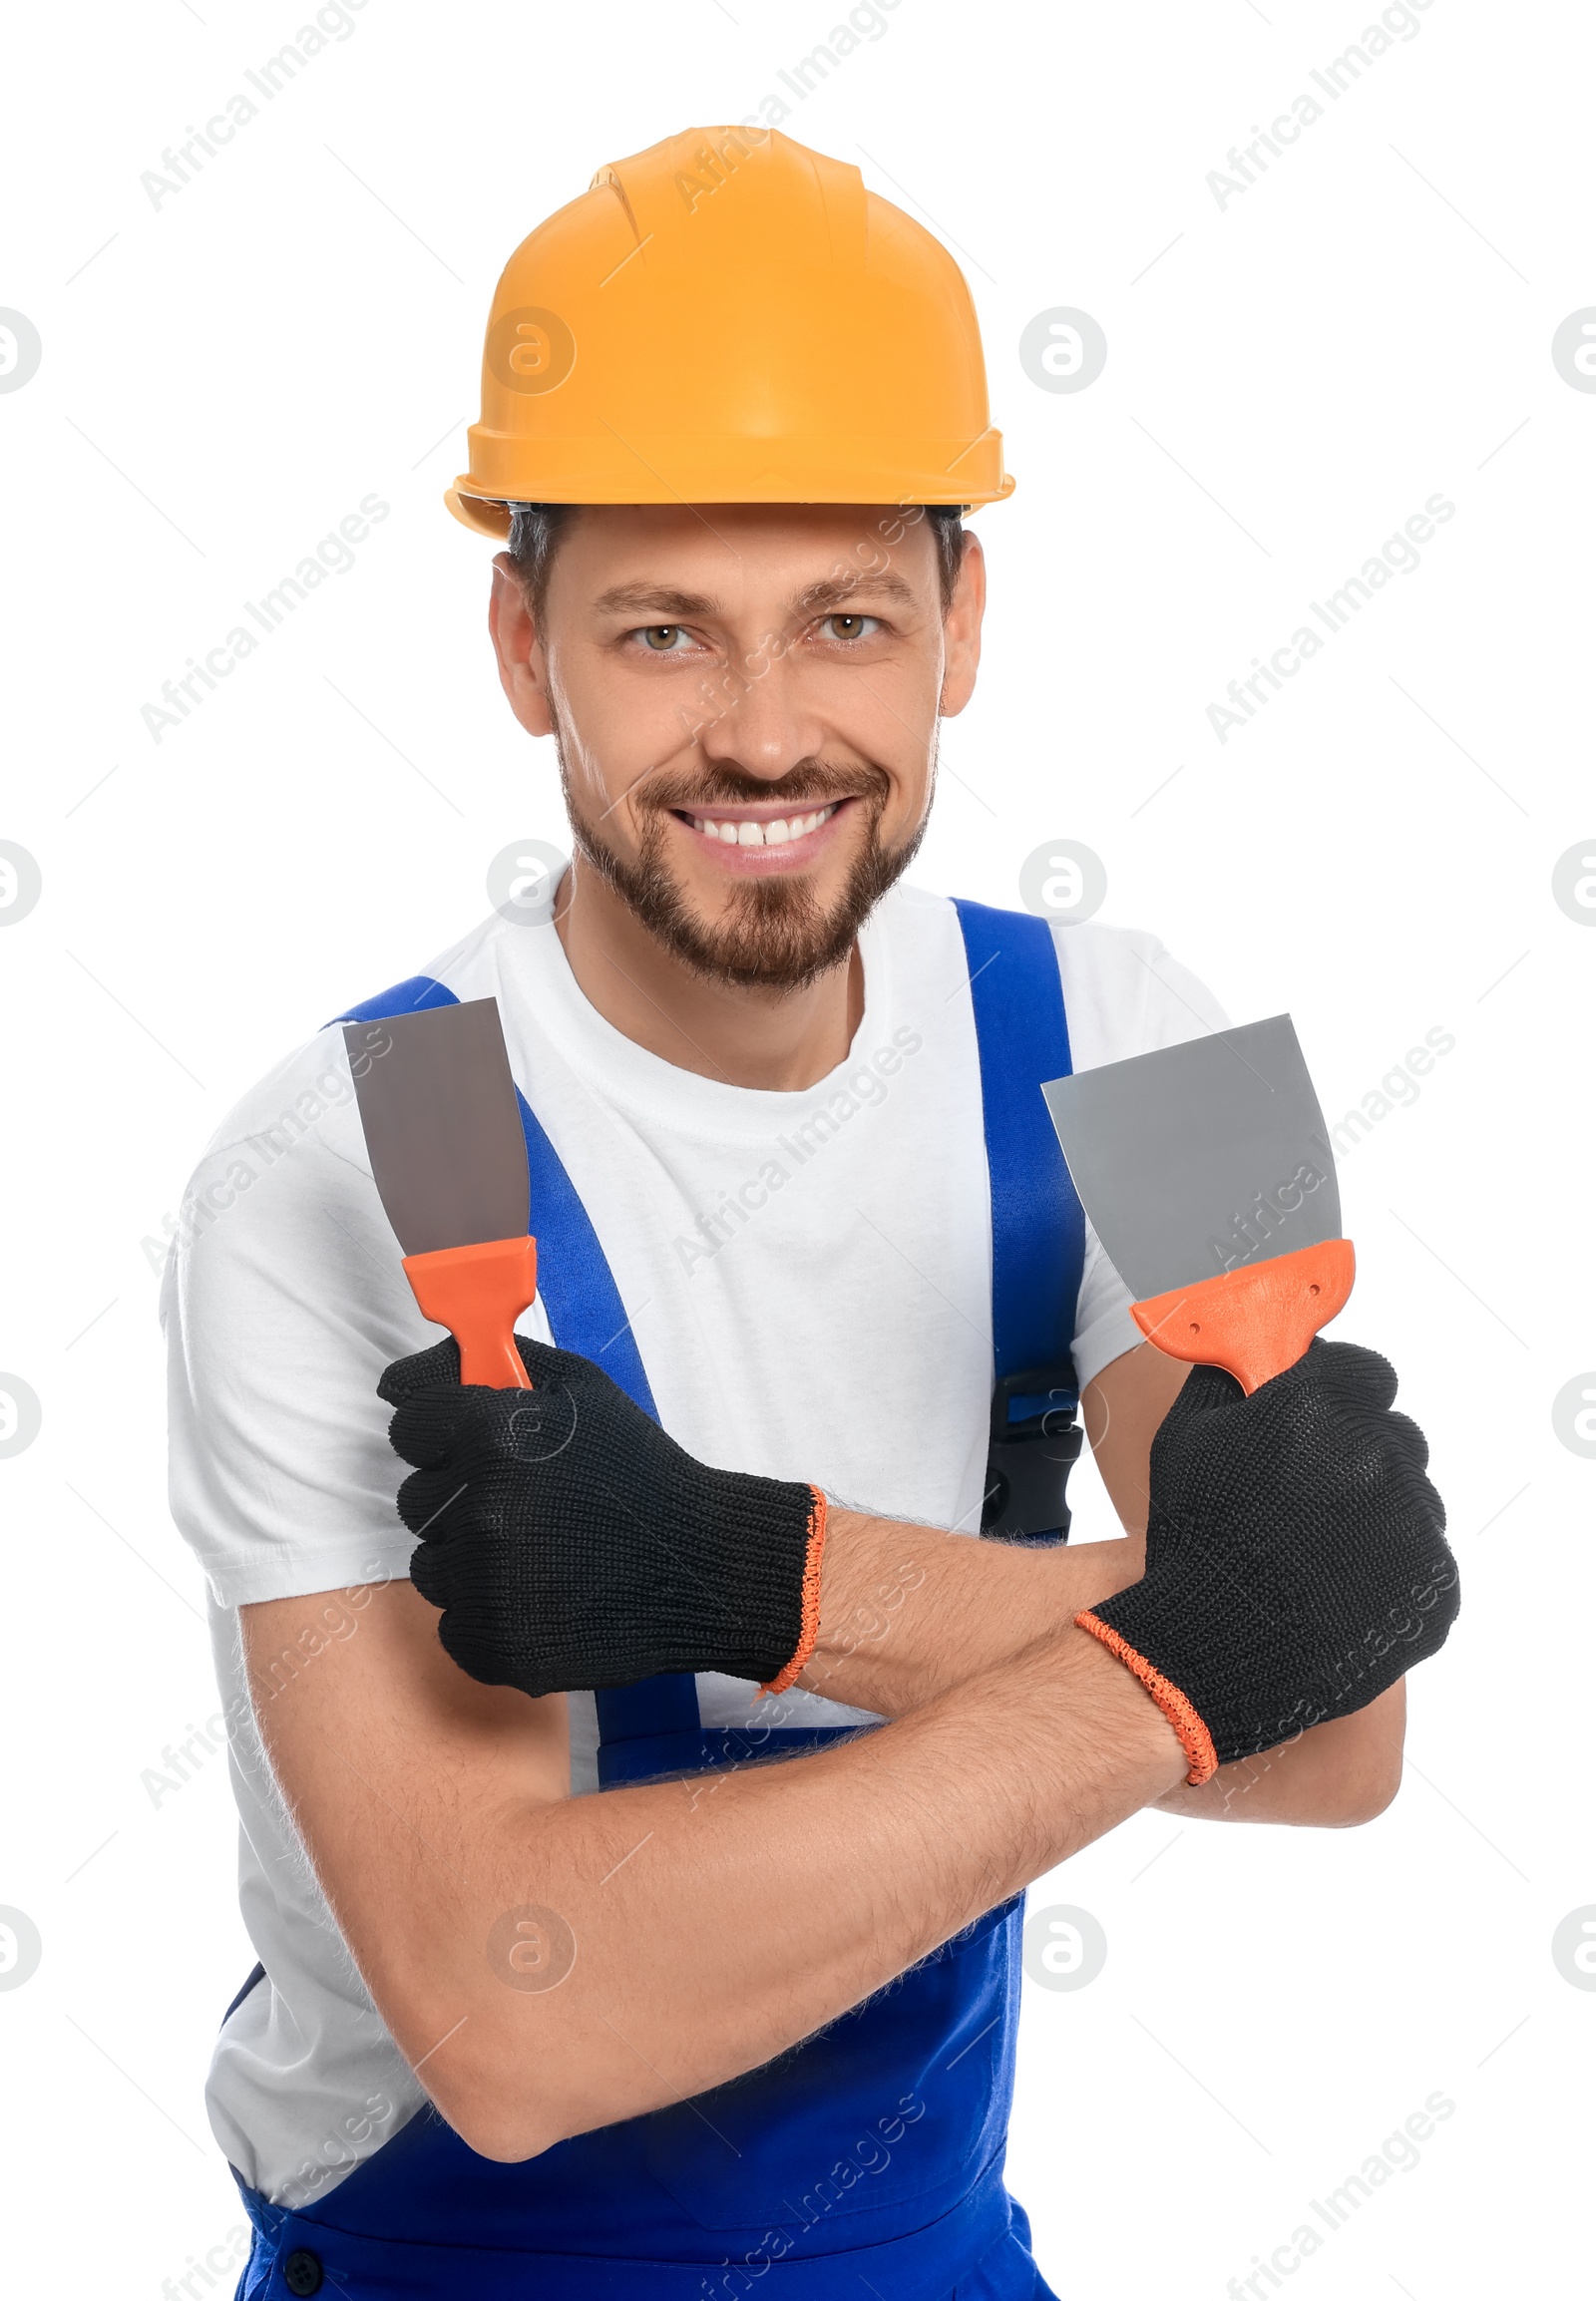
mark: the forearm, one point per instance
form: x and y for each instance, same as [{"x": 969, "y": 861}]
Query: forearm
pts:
[
  {"x": 715, "y": 1921},
  {"x": 1331, "y": 1777},
  {"x": 907, "y": 1611},
  {"x": 842, "y": 1870}
]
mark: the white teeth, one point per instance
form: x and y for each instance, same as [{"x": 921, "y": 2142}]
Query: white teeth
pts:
[{"x": 751, "y": 834}]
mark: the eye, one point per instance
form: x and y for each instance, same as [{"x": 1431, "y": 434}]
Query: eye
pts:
[
  {"x": 850, "y": 628},
  {"x": 664, "y": 638}
]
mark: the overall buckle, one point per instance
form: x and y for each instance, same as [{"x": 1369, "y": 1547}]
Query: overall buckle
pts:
[{"x": 1036, "y": 1439}]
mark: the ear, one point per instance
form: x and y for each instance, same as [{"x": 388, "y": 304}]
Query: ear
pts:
[
  {"x": 961, "y": 632},
  {"x": 523, "y": 672}
]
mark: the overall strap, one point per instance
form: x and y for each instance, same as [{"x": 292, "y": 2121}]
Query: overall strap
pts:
[{"x": 1039, "y": 1230}]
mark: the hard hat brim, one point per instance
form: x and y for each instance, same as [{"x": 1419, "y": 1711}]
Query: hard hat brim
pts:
[
  {"x": 482, "y": 517},
  {"x": 488, "y": 513}
]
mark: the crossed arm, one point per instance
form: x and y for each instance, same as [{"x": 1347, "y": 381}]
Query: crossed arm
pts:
[{"x": 719, "y": 1920}]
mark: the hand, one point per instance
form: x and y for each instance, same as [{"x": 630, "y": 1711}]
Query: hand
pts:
[
  {"x": 1297, "y": 1560},
  {"x": 571, "y": 1543}
]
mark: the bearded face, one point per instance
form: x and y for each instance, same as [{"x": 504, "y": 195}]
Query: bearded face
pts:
[{"x": 745, "y": 701}]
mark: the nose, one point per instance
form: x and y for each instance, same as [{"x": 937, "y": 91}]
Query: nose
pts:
[{"x": 759, "y": 720}]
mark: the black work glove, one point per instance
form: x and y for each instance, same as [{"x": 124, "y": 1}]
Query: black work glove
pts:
[
  {"x": 571, "y": 1543},
  {"x": 1297, "y": 1560}
]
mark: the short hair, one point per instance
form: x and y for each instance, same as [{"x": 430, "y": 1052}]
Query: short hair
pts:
[{"x": 536, "y": 529}]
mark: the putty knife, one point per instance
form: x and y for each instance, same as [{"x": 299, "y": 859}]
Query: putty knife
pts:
[
  {"x": 1207, "y": 1173},
  {"x": 443, "y": 1129}
]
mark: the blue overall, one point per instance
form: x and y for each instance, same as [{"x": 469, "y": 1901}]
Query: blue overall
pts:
[{"x": 869, "y": 2158}]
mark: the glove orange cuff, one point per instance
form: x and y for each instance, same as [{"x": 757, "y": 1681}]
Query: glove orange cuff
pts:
[
  {"x": 1195, "y": 1738},
  {"x": 811, "y": 1599}
]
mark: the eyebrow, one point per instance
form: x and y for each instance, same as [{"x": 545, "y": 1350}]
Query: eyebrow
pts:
[
  {"x": 815, "y": 598},
  {"x": 665, "y": 599},
  {"x": 638, "y": 598}
]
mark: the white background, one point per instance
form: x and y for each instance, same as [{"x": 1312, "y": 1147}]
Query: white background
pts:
[{"x": 224, "y": 376}]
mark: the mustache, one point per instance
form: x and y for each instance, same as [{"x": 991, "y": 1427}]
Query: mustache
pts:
[{"x": 718, "y": 784}]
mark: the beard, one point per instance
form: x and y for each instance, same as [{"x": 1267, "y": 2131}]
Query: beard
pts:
[{"x": 773, "y": 934}]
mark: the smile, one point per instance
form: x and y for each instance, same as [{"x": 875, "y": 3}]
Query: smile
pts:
[{"x": 747, "y": 829}]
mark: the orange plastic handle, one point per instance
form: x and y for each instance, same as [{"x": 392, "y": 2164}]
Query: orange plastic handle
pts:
[
  {"x": 479, "y": 1293},
  {"x": 1254, "y": 1323}
]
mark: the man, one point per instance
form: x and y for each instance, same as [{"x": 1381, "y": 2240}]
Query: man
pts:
[{"x": 729, "y": 2023}]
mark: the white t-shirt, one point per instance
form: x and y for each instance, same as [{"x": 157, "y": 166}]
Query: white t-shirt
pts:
[{"x": 827, "y": 1318}]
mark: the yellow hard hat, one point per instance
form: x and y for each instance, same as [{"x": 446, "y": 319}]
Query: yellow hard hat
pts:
[{"x": 730, "y": 318}]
